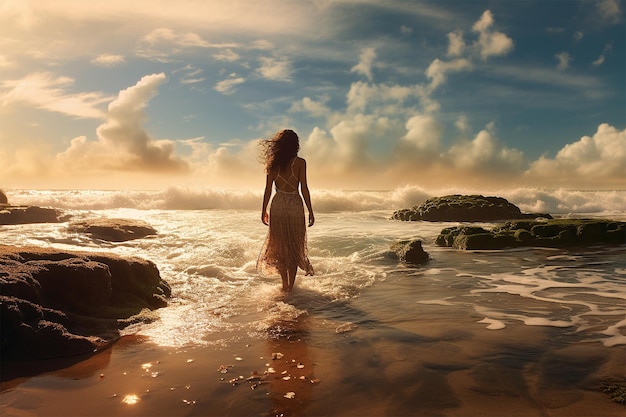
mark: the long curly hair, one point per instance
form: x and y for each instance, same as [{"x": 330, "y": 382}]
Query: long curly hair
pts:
[{"x": 277, "y": 152}]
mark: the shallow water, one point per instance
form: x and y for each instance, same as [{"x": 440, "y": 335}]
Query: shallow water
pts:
[{"x": 532, "y": 331}]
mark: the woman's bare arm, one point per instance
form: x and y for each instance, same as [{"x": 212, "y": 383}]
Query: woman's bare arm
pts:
[
  {"x": 304, "y": 187},
  {"x": 266, "y": 199}
]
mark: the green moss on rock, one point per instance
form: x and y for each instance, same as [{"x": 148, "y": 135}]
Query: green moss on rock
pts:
[{"x": 550, "y": 233}]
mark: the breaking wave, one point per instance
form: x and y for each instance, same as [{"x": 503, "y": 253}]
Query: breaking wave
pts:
[{"x": 561, "y": 202}]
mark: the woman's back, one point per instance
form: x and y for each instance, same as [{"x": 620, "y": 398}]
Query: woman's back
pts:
[{"x": 287, "y": 180}]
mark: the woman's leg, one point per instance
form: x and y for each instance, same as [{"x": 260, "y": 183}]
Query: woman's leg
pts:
[
  {"x": 285, "y": 278},
  {"x": 292, "y": 271}
]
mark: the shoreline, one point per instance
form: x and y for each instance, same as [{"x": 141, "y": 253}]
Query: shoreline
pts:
[{"x": 413, "y": 367}]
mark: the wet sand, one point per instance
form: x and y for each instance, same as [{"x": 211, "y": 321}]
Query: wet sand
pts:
[{"x": 433, "y": 361}]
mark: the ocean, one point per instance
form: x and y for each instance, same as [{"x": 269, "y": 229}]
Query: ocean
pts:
[{"x": 536, "y": 330}]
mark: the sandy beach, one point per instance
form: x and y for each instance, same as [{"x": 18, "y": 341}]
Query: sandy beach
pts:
[
  {"x": 516, "y": 332},
  {"x": 434, "y": 361}
]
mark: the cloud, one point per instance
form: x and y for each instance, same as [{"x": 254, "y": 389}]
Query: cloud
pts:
[
  {"x": 485, "y": 153},
  {"x": 563, "y": 59},
  {"x": 45, "y": 91},
  {"x": 226, "y": 55},
  {"x": 162, "y": 43},
  {"x": 353, "y": 149},
  {"x": 366, "y": 60},
  {"x": 491, "y": 43},
  {"x": 108, "y": 60},
  {"x": 406, "y": 30},
  {"x": 591, "y": 87},
  {"x": 160, "y": 35},
  {"x": 609, "y": 11},
  {"x": 457, "y": 44},
  {"x": 391, "y": 99},
  {"x": 423, "y": 136},
  {"x": 310, "y": 106},
  {"x": 598, "y": 61},
  {"x": 555, "y": 30},
  {"x": 608, "y": 48},
  {"x": 181, "y": 39},
  {"x": 276, "y": 69},
  {"x": 227, "y": 86},
  {"x": 388, "y": 153},
  {"x": 123, "y": 144},
  {"x": 438, "y": 69},
  {"x": 191, "y": 74},
  {"x": 597, "y": 159}
]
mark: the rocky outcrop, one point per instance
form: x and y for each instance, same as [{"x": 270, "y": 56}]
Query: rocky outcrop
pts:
[
  {"x": 464, "y": 208},
  {"x": 551, "y": 233},
  {"x": 409, "y": 251},
  {"x": 3, "y": 198},
  {"x": 113, "y": 230},
  {"x": 56, "y": 303},
  {"x": 30, "y": 214}
]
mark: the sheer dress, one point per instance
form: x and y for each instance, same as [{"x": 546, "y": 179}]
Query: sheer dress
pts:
[{"x": 286, "y": 243}]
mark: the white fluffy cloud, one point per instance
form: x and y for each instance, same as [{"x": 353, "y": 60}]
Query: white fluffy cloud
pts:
[
  {"x": 228, "y": 85},
  {"x": 424, "y": 135},
  {"x": 108, "y": 60},
  {"x": 610, "y": 11},
  {"x": 366, "y": 61},
  {"x": 437, "y": 70},
  {"x": 391, "y": 99},
  {"x": 485, "y": 153},
  {"x": 310, "y": 106},
  {"x": 45, "y": 91},
  {"x": 457, "y": 44},
  {"x": 277, "y": 69},
  {"x": 491, "y": 42},
  {"x": 600, "y": 158},
  {"x": 123, "y": 144}
]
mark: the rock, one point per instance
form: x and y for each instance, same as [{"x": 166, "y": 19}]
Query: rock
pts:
[
  {"x": 30, "y": 331},
  {"x": 616, "y": 390},
  {"x": 551, "y": 233},
  {"x": 113, "y": 230},
  {"x": 30, "y": 214},
  {"x": 3, "y": 198},
  {"x": 57, "y": 303},
  {"x": 464, "y": 208},
  {"x": 483, "y": 241},
  {"x": 409, "y": 251}
]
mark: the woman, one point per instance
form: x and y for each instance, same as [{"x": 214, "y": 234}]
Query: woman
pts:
[{"x": 285, "y": 248}]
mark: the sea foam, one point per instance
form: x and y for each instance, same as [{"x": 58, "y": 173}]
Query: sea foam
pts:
[{"x": 562, "y": 202}]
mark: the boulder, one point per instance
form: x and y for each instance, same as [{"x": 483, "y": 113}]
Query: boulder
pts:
[
  {"x": 30, "y": 214},
  {"x": 551, "y": 233},
  {"x": 464, "y": 208},
  {"x": 409, "y": 251},
  {"x": 3, "y": 198},
  {"x": 113, "y": 230},
  {"x": 59, "y": 303}
]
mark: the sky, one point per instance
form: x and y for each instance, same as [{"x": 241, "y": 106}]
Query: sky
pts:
[{"x": 147, "y": 94}]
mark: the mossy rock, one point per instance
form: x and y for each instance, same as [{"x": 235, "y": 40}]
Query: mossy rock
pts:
[
  {"x": 464, "y": 208},
  {"x": 555, "y": 233},
  {"x": 484, "y": 241},
  {"x": 409, "y": 251},
  {"x": 522, "y": 235}
]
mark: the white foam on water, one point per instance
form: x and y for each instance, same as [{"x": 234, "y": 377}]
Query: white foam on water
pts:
[
  {"x": 562, "y": 202},
  {"x": 493, "y": 324},
  {"x": 208, "y": 242}
]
